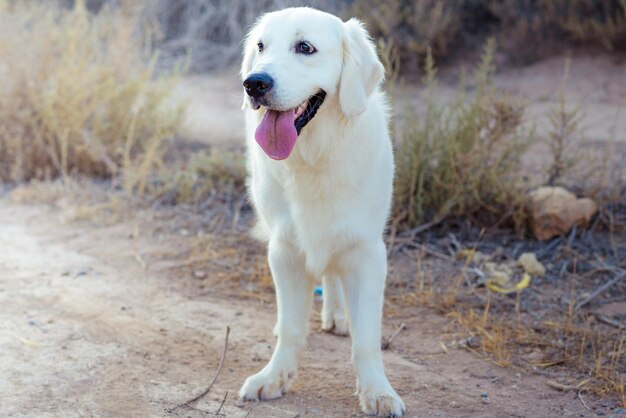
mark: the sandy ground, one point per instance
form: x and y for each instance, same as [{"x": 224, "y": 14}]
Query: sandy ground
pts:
[{"x": 88, "y": 329}]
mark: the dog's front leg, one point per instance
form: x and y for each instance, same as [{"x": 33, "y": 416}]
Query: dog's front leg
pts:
[
  {"x": 365, "y": 269},
  {"x": 294, "y": 295}
]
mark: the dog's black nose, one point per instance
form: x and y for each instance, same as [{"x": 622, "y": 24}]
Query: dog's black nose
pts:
[{"x": 258, "y": 84}]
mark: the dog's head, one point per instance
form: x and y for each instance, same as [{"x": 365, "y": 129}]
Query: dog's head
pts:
[{"x": 296, "y": 58}]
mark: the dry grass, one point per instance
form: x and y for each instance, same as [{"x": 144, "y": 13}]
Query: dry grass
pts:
[
  {"x": 525, "y": 331},
  {"x": 463, "y": 159},
  {"x": 205, "y": 177},
  {"x": 79, "y": 96}
]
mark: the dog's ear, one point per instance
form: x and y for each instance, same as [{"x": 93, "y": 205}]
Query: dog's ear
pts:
[
  {"x": 362, "y": 71},
  {"x": 249, "y": 51}
]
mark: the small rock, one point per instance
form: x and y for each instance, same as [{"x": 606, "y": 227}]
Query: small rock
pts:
[
  {"x": 531, "y": 265},
  {"x": 554, "y": 211},
  {"x": 608, "y": 403},
  {"x": 536, "y": 355},
  {"x": 83, "y": 271},
  {"x": 199, "y": 274}
]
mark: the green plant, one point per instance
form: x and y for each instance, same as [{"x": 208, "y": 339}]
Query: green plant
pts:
[
  {"x": 462, "y": 160},
  {"x": 563, "y": 136}
]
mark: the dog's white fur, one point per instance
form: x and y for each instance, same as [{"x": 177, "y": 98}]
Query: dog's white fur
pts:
[{"x": 323, "y": 209}]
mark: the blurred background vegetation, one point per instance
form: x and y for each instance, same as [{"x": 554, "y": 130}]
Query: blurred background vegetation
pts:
[{"x": 526, "y": 30}]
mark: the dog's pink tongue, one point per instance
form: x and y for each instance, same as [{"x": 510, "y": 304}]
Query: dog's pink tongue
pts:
[{"x": 276, "y": 134}]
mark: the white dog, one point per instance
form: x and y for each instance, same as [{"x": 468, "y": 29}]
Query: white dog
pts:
[{"x": 321, "y": 171}]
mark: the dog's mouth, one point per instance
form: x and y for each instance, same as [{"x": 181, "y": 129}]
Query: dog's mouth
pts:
[{"x": 278, "y": 131}]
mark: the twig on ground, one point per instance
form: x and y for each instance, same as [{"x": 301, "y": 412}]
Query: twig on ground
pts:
[
  {"x": 583, "y": 402},
  {"x": 428, "y": 250},
  {"x": 423, "y": 227},
  {"x": 609, "y": 321},
  {"x": 572, "y": 236},
  {"x": 250, "y": 410},
  {"x": 601, "y": 289},
  {"x": 141, "y": 261},
  {"x": 565, "y": 388},
  {"x": 222, "y": 404},
  {"x": 455, "y": 241},
  {"x": 387, "y": 343},
  {"x": 552, "y": 245},
  {"x": 217, "y": 373}
]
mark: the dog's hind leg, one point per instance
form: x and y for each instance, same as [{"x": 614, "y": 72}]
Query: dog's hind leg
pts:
[
  {"x": 334, "y": 315},
  {"x": 294, "y": 297},
  {"x": 364, "y": 271}
]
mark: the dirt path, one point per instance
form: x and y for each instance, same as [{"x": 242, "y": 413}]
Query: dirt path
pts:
[{"x": 86, "y": 330}]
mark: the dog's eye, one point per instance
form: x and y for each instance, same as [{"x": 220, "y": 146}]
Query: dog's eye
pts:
[
  {"x": 260, "y": 46},
  {"x": 305, "y": 48}
]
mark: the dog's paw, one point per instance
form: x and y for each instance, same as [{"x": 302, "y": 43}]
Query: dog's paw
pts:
[
  {"x": 335, "y": 322},
  {"x": 384, "y": 403},
  {"x": 266, "y": 385}
]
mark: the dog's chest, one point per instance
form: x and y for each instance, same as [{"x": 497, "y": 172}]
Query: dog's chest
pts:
[{"x": 319, "y": 201}]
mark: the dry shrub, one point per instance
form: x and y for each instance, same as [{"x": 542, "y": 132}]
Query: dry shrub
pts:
[
  {"x": 602, "y": 21},
  {"x": 527, "y": 29},
  {"x": 562, "y": 140},
  {"x": 205, "y": 177},
  {"x": 595, "y": 173},
  {"x": 412, "y": 26},
  {"x": 462, "y": 160},
  {"x": 533, "y": 29},
  {"x": 77, "y": 95}
]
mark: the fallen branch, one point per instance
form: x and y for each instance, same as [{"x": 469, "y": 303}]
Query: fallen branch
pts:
[
  {"x": 222, "y": 404},
  {"x": 609, "y": 321},
  {"x": 387, "y": 342},
  {"x": 250, "y": 410},
  {"x": 601, "y": 289},
  {"x": 217, "y": 373},
  {"x": 567, "y": 388},
  {"x": 583, "y": 401}
]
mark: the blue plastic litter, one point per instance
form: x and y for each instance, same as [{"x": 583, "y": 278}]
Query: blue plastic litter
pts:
[{"x": 318, "y": 291}]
